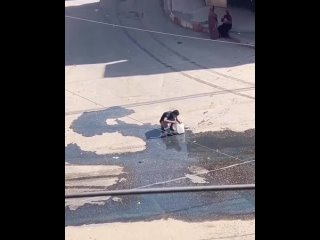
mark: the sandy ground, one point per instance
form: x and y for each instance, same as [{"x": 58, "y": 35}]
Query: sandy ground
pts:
[
  {"x": 164, "y": 229},
  {"x": 87, "y": 178}
]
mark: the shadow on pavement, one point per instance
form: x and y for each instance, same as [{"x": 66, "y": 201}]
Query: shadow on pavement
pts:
[{"x": 93, "y": 43}]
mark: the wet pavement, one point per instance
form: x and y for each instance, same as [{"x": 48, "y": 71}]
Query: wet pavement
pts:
[
  {"x": 179, "y": 160},
  {"x": 108, "y": 67},
  {"x": 190, "y": 207}
]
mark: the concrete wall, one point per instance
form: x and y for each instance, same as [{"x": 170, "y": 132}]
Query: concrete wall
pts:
[{"x": 247, "y": 4}]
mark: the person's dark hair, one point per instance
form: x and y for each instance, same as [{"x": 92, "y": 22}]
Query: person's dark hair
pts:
[{"x": 176, "y": 112}]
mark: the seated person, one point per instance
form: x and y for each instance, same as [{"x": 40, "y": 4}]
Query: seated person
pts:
[{"x": 226, "y": 25}]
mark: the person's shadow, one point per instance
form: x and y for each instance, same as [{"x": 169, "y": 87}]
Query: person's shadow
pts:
[{"x": 153, "y": 134}]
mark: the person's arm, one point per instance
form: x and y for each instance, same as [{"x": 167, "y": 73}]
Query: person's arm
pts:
[
  {"x": 168, "y": 121},
  {"x": 228, "y": 19},
  {"x": 178, "y": 120}
]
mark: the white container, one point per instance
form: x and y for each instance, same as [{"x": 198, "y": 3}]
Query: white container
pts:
[{"x": 179, "y": 128}]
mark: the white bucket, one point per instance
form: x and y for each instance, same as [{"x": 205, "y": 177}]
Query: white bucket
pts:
[{"x": 179, "y": 128}]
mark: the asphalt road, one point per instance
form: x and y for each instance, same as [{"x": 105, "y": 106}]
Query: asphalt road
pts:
[{"x": 118, "y": 80}]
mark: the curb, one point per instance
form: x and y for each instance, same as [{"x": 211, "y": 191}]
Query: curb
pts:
[{"x": 195, "y": 26}]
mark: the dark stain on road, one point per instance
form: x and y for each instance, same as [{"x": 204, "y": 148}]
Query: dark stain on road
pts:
[{"x": 167, "y": 162}]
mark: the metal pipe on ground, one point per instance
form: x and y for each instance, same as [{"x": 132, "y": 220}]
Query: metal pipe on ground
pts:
[{"x": 163, "y": 190}]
